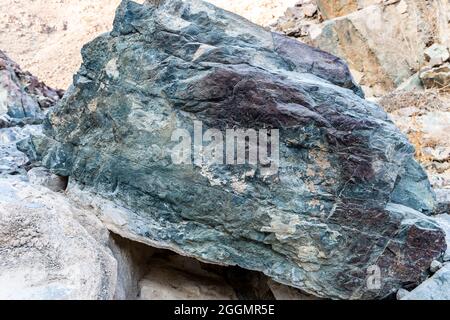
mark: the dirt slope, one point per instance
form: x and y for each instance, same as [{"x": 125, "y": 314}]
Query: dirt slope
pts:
[{"x": 45, "y": 36}]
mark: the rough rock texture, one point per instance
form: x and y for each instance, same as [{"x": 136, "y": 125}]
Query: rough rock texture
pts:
[
  {"x": 132, "y": 259},
  {"x": 401, "y": 293},
  {"x": 44, "y": 252},
  {"x": 425, "y": 118},
  {"x": 382, "y": 40},
  {"x": 437, "y": 77},
  {"x": 261, "y": 12},
  {"x": 297, "y": 21},
  {"x": 318, "y": 224},
  {"x": 23, "y": 97},
  {"x": 435, "y": 288},
  {"x": 282, "y": 292},
  {"x": 390, "y": 43},
  {"x": 416, "y": 44}
]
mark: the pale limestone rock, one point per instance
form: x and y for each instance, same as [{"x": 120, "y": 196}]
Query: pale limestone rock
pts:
[
  {"x": 12, "y": 161},
  {"x": 401, "y": 293},
  {"x": 411, "y": 84},
  {"x": 283, "y": 292},
  {"x": 435, "y": 126},
  {"x": 132, "y": 265},
  {"x": 437, "y": 54},
  {"x": 45, "y": 252},
  {"x": 425, "y": 117},
  {"x": 444, "y": 222},
  {"x": 402, "y": 7}
]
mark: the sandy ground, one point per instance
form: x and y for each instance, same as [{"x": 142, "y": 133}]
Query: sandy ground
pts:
[
  {"x": 262, "y": 12},
  {"x": 45, "y": 36}
]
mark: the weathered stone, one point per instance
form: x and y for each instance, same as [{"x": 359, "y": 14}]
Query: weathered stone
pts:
[
  {"x": 309, "y": 9},
  {"x": 443, "y": 201},
  {"x": 22, "y": 97},
  {"x": 42, "y": 176},
  {"x": 23, "y": 103},
  {"x": 436, "y": 55},
  {"x": 435, "y": 266},
  {"x": 435, "y": 288},
  {"x": 411, "y": 84},
  {"x": 295, "y": 22},
  {"x": 319, "y": 223},
  {"x": 44, "y": 252},
  {"x": 181, "y": 278},
  {"x": 437, "y": 77},
  {"x": 402, "y": 7}
]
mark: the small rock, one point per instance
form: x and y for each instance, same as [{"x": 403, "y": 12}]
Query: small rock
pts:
[
  {"x": 435, "y": 266},
  {"x": 309, "y": 9},
  {"x": 401, "y": 293},
  {"x": 443, "y": 202},
  {"x": 22, "y": 96},
  {"x": 42, "y": 176},
  {"x": 411, "y": 84},
  {"x": 437, "y": 54}
]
